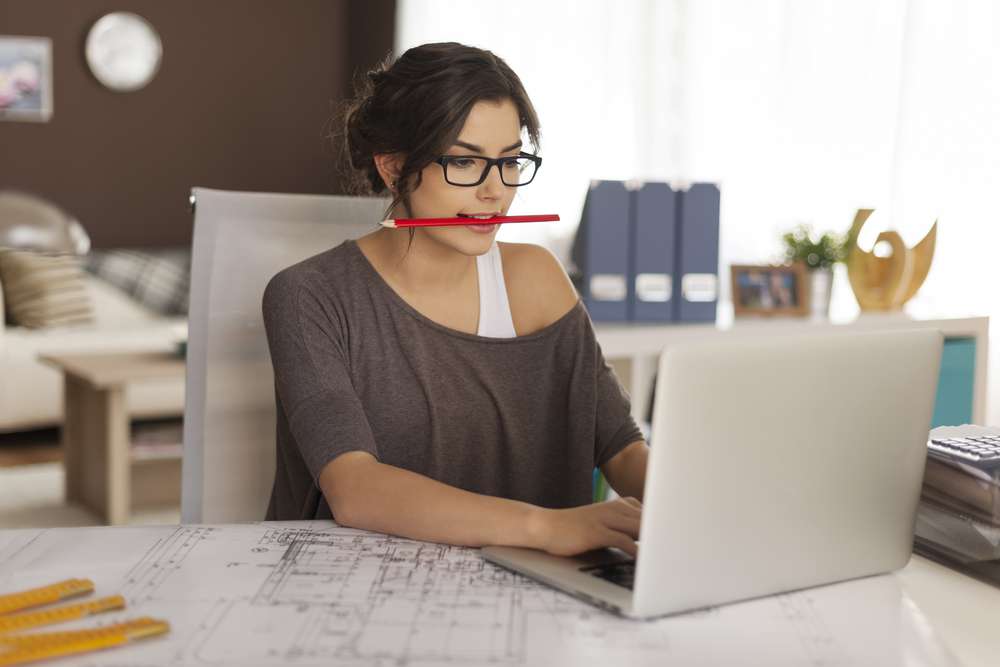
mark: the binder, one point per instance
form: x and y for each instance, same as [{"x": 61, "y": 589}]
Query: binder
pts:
[
  {"x": 696, "y": 275},
  {"x": 653, "y": 253},
  {"x": 601, "y": 251}
]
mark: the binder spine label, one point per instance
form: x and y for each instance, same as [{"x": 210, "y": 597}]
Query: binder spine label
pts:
[
  {"x": 653, "y": 287},
  {"x": 608, "y": 287},
  {"x": 700, "y": 287}
]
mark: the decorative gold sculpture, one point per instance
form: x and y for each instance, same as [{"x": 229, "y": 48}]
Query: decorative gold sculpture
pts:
[{"x": 886, "y": 283}]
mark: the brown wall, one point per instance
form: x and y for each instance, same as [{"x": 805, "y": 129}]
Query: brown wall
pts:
[{"x": 241, "y": 100}]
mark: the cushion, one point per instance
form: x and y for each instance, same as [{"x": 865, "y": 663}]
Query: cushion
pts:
[
  {"x": 115, "y": 308},
  {"x": 44, "y": 289},
  {"x": 158, "y": 279}
]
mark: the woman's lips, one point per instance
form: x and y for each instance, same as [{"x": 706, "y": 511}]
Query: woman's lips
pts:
[
  {"x": 481, "y": 225},
  {"x": 482, "y": 229}
]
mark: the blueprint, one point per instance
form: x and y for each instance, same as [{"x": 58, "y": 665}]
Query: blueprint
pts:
[{"x": 314, "y": 593}]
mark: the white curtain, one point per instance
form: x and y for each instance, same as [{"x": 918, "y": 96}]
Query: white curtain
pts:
[{"x": 803, "y": 111}]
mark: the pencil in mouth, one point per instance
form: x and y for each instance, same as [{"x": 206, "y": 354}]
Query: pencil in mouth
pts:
[{"x": 461, "y": 219}]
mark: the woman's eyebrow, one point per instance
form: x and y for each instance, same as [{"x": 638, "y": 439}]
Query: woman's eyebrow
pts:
[{"x": 479, "y": 149}]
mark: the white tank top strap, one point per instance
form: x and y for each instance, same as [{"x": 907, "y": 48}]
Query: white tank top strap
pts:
[{"x": 495, "y": 320}]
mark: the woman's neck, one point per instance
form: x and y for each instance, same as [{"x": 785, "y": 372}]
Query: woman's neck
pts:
[{"x": 425, "y": 265}]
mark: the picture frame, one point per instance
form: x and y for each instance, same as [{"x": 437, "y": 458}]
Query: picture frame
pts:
[
  {"x": 770, "y": 290},
  {"x": 25, "y": 78}
]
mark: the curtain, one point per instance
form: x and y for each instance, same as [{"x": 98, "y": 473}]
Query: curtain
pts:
[{"x": 803, "y": 112}]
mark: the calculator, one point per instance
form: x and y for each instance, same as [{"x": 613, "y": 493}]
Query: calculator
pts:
[{"x": 982, "y": 451}]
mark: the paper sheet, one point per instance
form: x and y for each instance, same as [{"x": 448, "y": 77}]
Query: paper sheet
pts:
[{"x": 313, "y": 593}]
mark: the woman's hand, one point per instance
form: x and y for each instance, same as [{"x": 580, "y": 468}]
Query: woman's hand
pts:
[{"x": 568, "y": 532}]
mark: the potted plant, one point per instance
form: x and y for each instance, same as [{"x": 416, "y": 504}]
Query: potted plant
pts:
[{"x": 819, "y": 255}]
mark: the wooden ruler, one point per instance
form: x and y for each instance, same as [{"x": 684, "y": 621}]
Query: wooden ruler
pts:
[
  {"x": 69, "y": 612},
  {"x": 36, "y": 597},
  {"x": 20, "y": 611},
  {"x": 21, "y": 649}
]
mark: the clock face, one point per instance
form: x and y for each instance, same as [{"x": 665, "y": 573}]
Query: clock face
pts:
[{"x": 123, "y": 51}]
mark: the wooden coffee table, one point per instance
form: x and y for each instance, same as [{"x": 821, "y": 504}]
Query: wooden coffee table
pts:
[{"x": 102, "y": 471}]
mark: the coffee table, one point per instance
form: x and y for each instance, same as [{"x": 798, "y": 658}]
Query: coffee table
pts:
[{"x": 102, "y": 471}]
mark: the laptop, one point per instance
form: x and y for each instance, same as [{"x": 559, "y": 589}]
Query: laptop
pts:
[{"x": 777, "y": 463}]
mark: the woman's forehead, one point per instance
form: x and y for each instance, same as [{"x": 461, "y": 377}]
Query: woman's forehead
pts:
[{"x": 491, "y": 126}]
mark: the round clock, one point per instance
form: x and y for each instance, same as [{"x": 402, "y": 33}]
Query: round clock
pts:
[{"x": 123, "y": 51}]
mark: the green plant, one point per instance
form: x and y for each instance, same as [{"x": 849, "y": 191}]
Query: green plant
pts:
[{"x": 802, "y": 246}]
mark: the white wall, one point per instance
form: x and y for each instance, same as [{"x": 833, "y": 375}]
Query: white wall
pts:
[{"x": 802, "y": 111}]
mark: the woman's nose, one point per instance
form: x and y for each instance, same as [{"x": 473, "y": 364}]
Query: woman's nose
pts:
[{"x": 493, "y": 186}]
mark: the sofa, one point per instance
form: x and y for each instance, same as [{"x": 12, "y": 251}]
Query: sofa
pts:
[
  {"x": 31, "y": 392},
  {"x": 120, "y": 300}
]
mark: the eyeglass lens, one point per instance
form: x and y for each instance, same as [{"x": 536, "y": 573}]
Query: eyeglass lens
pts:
[{"x": 471, "y": 170}]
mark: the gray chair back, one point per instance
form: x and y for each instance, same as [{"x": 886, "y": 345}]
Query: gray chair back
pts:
[{"x": 241, "y": 239}]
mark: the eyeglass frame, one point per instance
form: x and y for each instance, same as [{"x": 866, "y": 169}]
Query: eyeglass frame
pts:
[{"x": 490, "y": 163}]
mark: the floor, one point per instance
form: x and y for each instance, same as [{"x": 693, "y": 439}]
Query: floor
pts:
[{"x": 31, "y": 479}]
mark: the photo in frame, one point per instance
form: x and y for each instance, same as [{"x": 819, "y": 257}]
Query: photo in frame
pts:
[
  {"x": 770, "y": 290},
  {"x": 25, "y": 78}
]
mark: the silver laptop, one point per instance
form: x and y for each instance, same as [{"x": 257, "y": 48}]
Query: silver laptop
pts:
[{"x": 777, "y": 463}]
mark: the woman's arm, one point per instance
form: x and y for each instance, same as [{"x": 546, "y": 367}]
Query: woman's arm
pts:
[
  {"x": 626, "y": 470},
  {"x": 364, "y": 493}
]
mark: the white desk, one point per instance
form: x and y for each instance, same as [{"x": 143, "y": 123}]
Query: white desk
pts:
[
  {"x": 962, "y": 610},
  {"x": 634, "y": 348},
  {"x": 312, "y": 593}
]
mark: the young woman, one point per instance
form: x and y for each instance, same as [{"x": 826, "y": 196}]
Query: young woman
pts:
[{"x": 436, "y": 384}]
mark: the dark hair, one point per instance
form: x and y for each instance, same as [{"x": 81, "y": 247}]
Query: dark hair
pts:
[{"x": 417, "y": 105}]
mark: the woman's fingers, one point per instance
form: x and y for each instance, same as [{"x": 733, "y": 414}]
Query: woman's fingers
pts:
[
  {"x": 622, "y": 541},
  {"x": 623, "y": 508},
  {"x": 628, "y": 525},
  {"x": 632, "y": 502}
]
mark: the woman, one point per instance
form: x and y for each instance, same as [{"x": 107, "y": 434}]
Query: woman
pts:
[{"x": 436, "y": 384}]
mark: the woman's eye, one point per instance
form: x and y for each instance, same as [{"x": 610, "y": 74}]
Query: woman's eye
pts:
[{"x": 463, "y": 163}]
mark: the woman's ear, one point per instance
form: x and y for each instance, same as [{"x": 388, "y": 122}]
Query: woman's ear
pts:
[{"x": 389, "y": 165}]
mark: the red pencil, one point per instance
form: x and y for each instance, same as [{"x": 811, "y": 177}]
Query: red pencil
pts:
[{"x": 443, "y": 222}]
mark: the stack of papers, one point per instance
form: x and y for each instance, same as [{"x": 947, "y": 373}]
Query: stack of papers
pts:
[
  {"x": 960, "y": 486},
  {"x": 958, "y": 520}
]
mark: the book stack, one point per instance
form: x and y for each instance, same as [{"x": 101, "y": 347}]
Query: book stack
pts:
[{"x": 958, "y": 518}]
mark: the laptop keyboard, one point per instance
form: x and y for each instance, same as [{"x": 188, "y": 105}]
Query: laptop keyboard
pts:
[
  {"x": 620, "y": 574},
  {"x": 979, "y": 448}
]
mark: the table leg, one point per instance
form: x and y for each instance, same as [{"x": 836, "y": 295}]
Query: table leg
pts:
[
  {"x": 74, "y": 416},
  {"x": 96, "y": 445}
]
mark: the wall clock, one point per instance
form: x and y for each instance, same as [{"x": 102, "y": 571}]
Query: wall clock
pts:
[{"x": 123, "y": 51}]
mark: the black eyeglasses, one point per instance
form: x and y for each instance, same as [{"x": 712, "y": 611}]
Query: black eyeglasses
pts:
[{"x": 470, "y": 170}]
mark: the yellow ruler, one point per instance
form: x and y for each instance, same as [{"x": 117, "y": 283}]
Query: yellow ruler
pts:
[
  {"x": 21, "y": 649},
  {"x": 36, "y": 597},
  {"x": 69, "y": 612},
  {"x": 20, "y": 611}
]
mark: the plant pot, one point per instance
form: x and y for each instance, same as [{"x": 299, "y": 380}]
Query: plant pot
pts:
[{"x": 820, "y": 292}]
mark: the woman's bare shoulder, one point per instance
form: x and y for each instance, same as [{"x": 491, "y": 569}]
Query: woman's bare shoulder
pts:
[{"x": 538, "y": 288}]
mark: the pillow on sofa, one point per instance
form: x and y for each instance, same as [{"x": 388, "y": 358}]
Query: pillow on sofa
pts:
[
  {"x": 159, "y": 279},
  {"x": 44, "y": 289},
  {"x": 114, "y": 308}
]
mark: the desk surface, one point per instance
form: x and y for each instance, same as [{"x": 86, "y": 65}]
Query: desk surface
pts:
[{"x": 316, "y": 593}]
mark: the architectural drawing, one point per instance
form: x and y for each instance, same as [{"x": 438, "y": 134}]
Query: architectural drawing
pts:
[{"x": 313, "y": 593}]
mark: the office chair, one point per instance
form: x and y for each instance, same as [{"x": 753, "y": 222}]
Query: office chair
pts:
[{"x": 241, "y": 239}]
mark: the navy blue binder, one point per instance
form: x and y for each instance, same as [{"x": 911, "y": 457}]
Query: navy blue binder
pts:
[
  {"x": 601, "y": 251},
  {"x": 654, "y": 230},
  {"x": 696, "y": 276}
]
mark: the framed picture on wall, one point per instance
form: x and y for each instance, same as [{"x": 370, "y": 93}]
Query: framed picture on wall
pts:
[
  {"x": 25, "y": 78},
  {"x": 770, "y": 290}
]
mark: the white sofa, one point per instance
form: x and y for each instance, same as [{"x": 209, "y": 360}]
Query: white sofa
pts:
[{"x": 31, "y": 392}]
